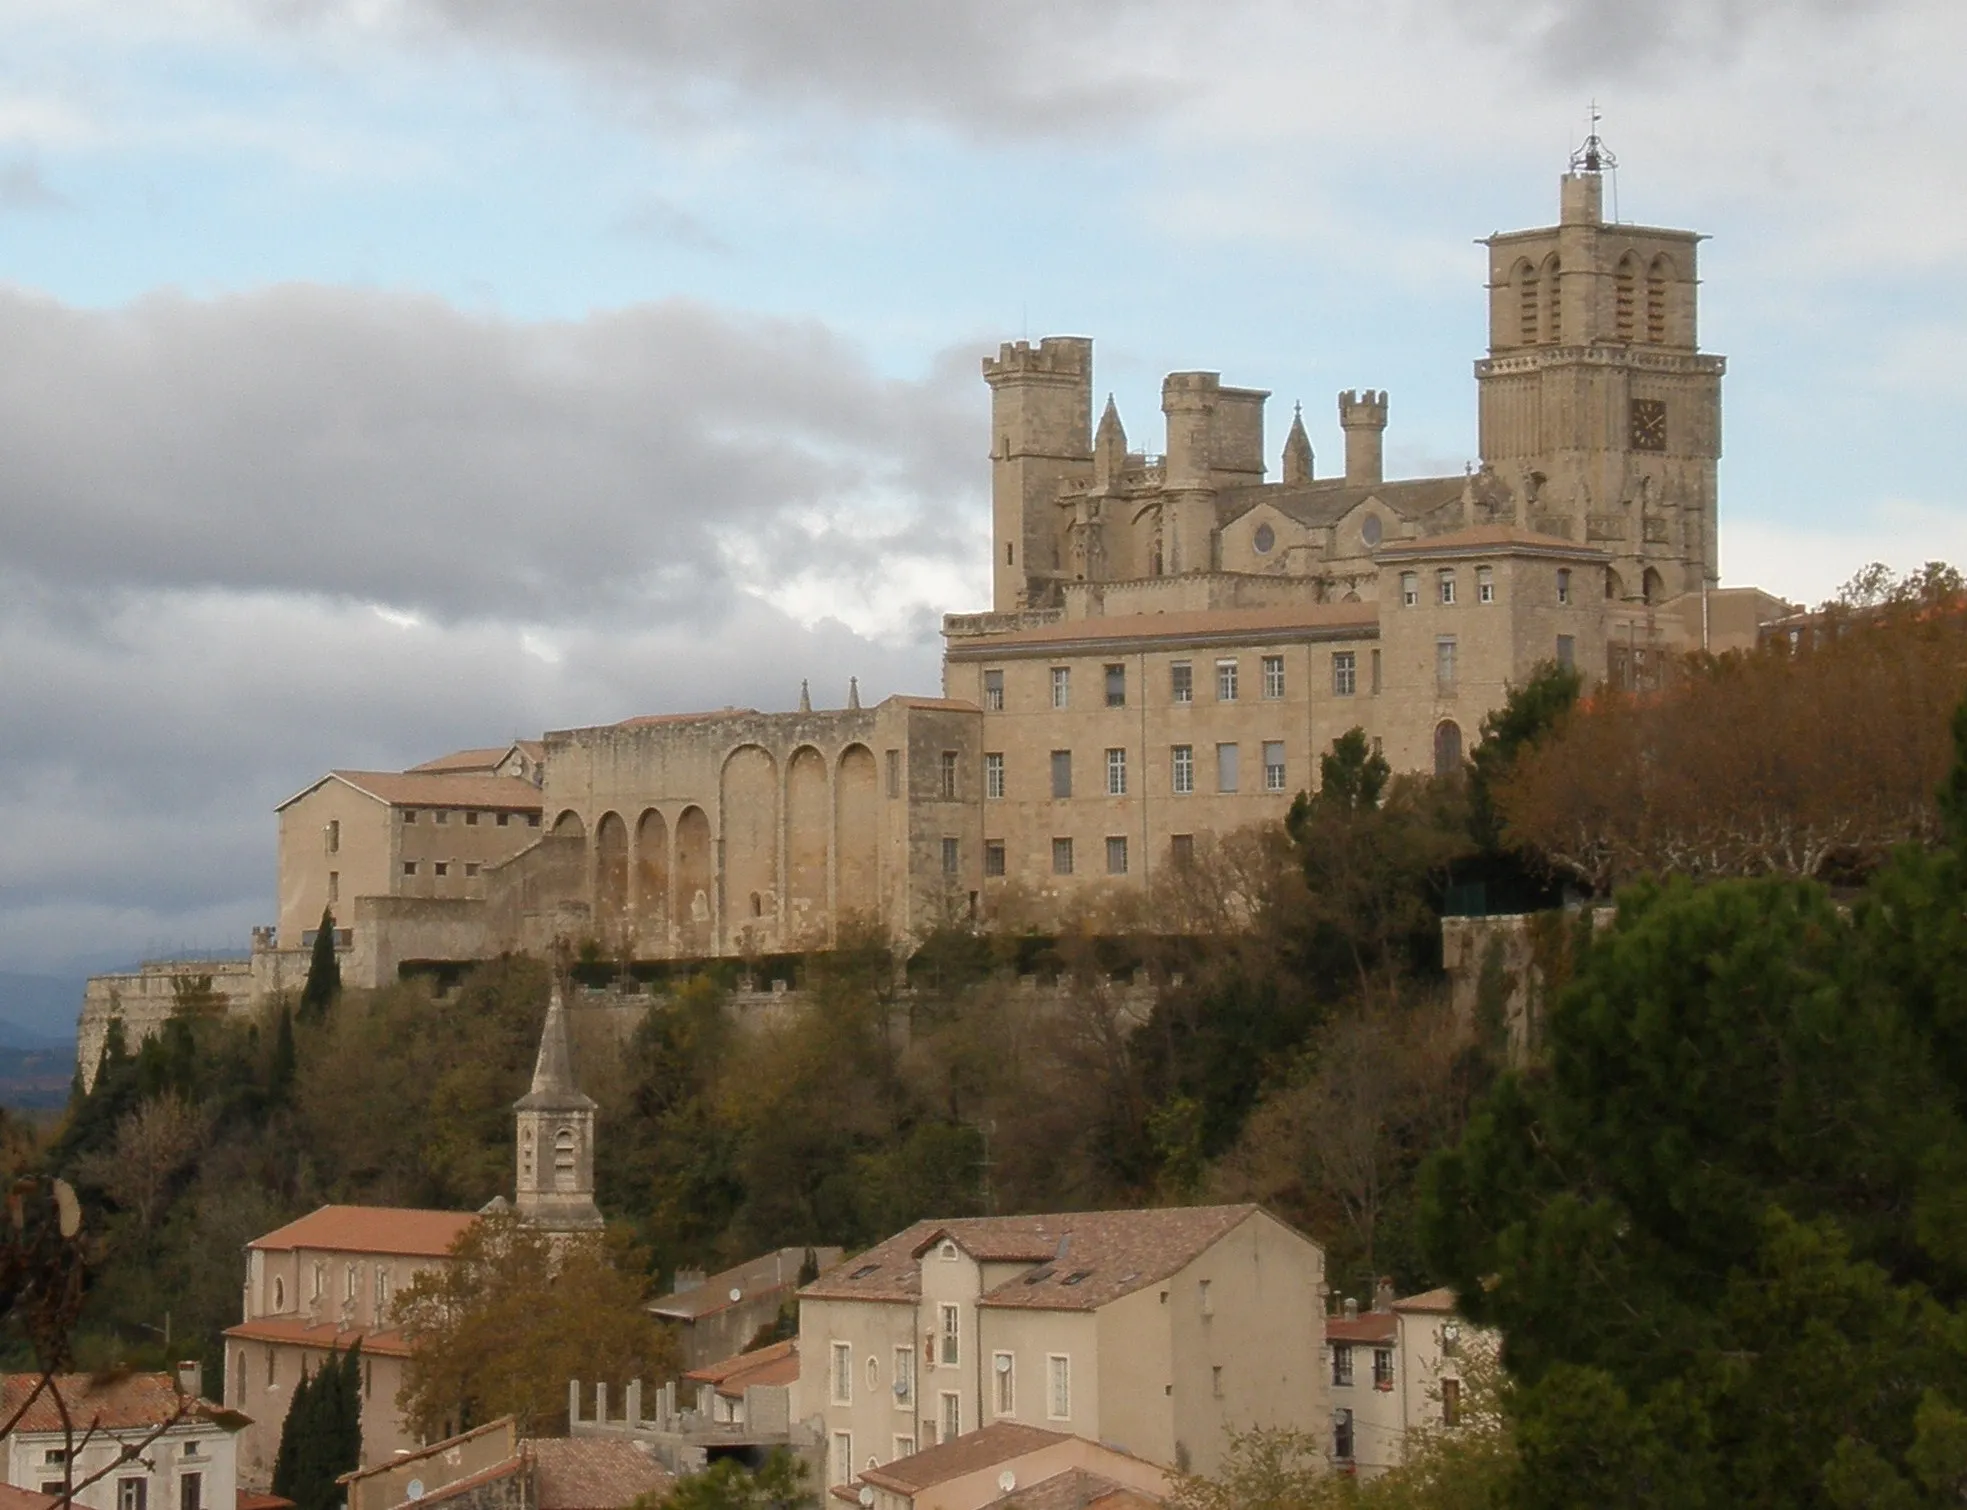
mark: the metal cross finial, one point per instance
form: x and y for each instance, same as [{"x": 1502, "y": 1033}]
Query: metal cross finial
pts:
[{"x": 1594, "y": 156}]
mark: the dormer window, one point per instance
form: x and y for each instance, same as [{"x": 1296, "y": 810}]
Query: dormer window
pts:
[{"x": 948, "y": 1251}]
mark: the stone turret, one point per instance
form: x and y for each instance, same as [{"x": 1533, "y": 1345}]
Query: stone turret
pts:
[
  {"x": 555, "y": 1180},
  {"x": 1109, "y": 447},
  {"x": 1363, "y": 418},
  {"x": 1298, "y": 460}
]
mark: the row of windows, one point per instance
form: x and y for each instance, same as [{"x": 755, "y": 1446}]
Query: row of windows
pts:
[
  {"x": 1181, "y": 683},
  {"x": 471, "y": 818},
  {"x": 1181, "y": 770},
  {"x": 1342, "y": 1366},
  {"x": 414, "y": 867},
  {"x": 1181, "y": 851},
  {"x": 134, "y": 1493},
  {"x": 1446, "y": 589},
  {"x": 949, "y": 1354},
  {"x": 1345, "y": 1437}
]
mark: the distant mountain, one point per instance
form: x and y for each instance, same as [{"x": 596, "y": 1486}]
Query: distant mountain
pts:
[{"x": 39, "y": 1011}]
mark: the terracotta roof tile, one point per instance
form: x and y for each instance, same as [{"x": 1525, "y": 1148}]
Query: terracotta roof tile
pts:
[
  {"x": 776, "y": 1364},
  {"x": 593, "y": 1473},
  {"x": 13, "y": 1498},
  {"x": 113, "y": 1402},
  {"x": 1081, "y": 1260},
  {"x": 505, "y": 1470},
  {"x": 1225, "y": 626},
  {"x": 486, "y": 759},
  {"x": 997, "y": 1443},
  {"x": 1440, "y": 1301},
  {"x": 295, "y": 1332},
  {"x": 1075, "y": 1489},
  {"x": 247, "y": 1500},
  {"x": 769, "y": 1272},
  {"x": 1374, "y": 1326},
  {"x": 371, "y": 1229}
]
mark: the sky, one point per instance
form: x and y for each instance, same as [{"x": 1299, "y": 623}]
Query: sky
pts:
[{"x": 380, "y": 377}]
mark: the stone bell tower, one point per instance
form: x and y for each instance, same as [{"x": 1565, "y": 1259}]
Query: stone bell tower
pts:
[
  {"x": 555, "y": 1138},
  {"x": 1596, "y": 404}
]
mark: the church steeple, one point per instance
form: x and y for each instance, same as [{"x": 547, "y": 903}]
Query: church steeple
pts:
[
  {"x": 555, "y": 1137},
  {"x": 1297, "y": 449},
  {"x": 1109, "y": 447}
]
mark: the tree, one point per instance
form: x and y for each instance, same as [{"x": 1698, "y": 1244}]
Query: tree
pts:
[
  {"x": 778, "y": 1483},
  {"x": 1513, "y": 880},
  {"x": 323, "y": 983},
  {"x": 514, "y": 1315},
  {"x": 321, "y": 1438},
  {"x": 154, "y": 1144}
]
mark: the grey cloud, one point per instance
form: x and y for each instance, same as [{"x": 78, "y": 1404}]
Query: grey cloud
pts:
[
  {"x": 23, "y": 191},
  {"x": 391, "y": 448},
  {"x": 667, "y": 224}
]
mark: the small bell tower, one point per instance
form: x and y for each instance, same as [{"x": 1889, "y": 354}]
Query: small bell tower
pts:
[{"x": 554, "y": 1179}]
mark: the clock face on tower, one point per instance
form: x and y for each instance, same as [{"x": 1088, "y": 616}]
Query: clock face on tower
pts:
[{"x": 1648, "y": 424}]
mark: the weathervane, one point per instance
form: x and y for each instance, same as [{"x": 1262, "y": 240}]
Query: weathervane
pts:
[{"x": 1594, "y": 156}]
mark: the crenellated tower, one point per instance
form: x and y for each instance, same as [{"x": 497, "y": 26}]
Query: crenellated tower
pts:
[
  {"x": 554, "y": 1180},
  {"x": 1041, "y": 417},
  {"x": 1596, "y": 403}
]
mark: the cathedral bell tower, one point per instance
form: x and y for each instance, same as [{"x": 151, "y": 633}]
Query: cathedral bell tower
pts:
[
  {"x": 555, "y": 1138},
  {"x": 1596, "y": 404}
]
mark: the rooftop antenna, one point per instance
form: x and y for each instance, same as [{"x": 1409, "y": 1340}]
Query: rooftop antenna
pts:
[{"x": 1595, "y": 157}]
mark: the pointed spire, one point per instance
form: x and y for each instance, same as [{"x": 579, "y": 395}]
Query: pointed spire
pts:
[
  {"x": 1109, "y": 446},
  {"x": 805, "y": 696},
  {"x": 553, "y": 1071},
  {"x": 1298, "y": 461},
  {"x": 853, "y": 692}
]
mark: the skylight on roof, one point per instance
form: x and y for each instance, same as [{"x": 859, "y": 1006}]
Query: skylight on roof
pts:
[
  {"x": 1077, "y": 1276},
  {"x": 1039, "y": 1276},
  {"x": 863, "y": 1271}
]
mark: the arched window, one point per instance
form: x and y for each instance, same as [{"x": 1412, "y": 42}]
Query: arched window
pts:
[
  {"x": 1553, "y": 302},
  {"x": 563, "y": 1158},
  {"x": 1625, "y": 296},
  {"x": 1526, "y": 303},
  {"x": 1447, "y": 747},
  {"x": 1658, "y": 277},
  {"x": 1651, "y": 587},
  {"x": 1614, "y": 587},
  {"x": 279, "y": 1295}
]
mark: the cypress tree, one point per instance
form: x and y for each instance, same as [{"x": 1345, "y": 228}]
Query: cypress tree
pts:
[
  {"x": 287, "y": 1462},
  {"x": 280, "y": 1073},
  {"x": 323, "y": 971}
]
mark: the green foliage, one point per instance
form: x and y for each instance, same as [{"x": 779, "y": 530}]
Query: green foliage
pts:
[
  {"x": 1353, "y": 775},
  {"x": 778, "y": 1483},
  {"x": 1511, "y": 879},
  {"x": 321, "y": 1438},
  {"x": 323, "y": 982}
]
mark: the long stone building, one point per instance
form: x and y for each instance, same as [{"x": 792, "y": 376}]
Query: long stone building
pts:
[{"x": 1174, "y": 638}]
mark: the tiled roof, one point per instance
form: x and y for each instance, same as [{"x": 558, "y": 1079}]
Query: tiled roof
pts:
[
  {"x": 1075, "y": 1489},
  {"x": 757, "y": 1276},
  {"x": 1494, "y": 537},
  {"x": 470, "y": 1481},
  {"x": 436, "y": 1449},
  {"x": 776, "y": 1364},
  {"x": 371, "y": 1229},
  {"x": 113, "y": 1402},
  {"x": 1374, "y": 1326},
  {"x": 1216, "y": 626},
  {"x": 486, "y": 759},
  {"x": 1441, "y": 1301},
  {"x": 645, "y": 720},
  {"x": 247, "y": 1500},
  {"x": 593, "y": 1473},
  {"x": 444, "y": 789},
  {"x": 294, "y": 1332},
  {"x": 13, "y": 1498},
  {"x": 997, "y": 1443},
  {"x": 1080, "y": 1260}
]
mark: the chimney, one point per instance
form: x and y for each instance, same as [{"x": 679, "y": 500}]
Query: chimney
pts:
[
  {"x": 1363, "y": 418},
  {"x": 1383, "y": 1295},
  {"x": 191, "y": 1379},
  {"x": 1351, "y": 1309}
]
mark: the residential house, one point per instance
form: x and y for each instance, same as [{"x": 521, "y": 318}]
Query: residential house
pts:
[
  {"x": 717, "y": 1316},
  {"x": 1009, "y": 1463},
  {"x": 751, "y": 1390},
  {"x": 189, "y": 1457},
  {"x": 493, "y": 1468},
  {"x": 1396, "y": 1371},
  {"x": 1151, "y": 1331}
]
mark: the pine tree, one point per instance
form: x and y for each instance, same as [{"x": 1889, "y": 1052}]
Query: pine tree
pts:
[{"x": 323, "y": 972}]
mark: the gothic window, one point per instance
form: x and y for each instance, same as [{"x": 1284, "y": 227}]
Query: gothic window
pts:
[
  {"x": 563, "y": 1158},
  {"x": 1657, "y": 278},
  {"x": 1528, "y": 301},
  {"x": 1447, "y": 748},
  {"x": 1553, "y": 302},
  {"x": 1625, "y": 293}
]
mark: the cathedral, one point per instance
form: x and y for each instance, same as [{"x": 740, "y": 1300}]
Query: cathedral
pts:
[{"x": 1174, "y": 638}]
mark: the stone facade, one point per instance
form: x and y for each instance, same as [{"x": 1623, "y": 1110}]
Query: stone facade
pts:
[{"x": 1174, "y": 640}]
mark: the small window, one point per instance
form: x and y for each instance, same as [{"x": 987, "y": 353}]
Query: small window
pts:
[
  {"x": 1273, "y": 765},
  {"x": 409, "y": 867},
  {"x": 952, "y": 1415},
  {"x": 1567, "y": 651},
  {"x": 1563, "y": 584},
  {"x": 1451, "y": 1402},
  {"x": 334, "y": 836},
  {"x": 54, "y": 1456},
  {"x": 1058, "y": 1395},
  {"x": 1410, "y": 589},
  {"x": 191, "y": 1491},
  {"x": 1004, "y": 1391},
  {"x": 409, "y": 815},
  {"x": 1273, "y": 677},
  {"x": 1116, "y": 686},
  {"x": 904, "y": 1378},
  {"x": 279, "y": 1295},
  {"x": 1061, "y": 857},
  {"x": 1345, "y": 673},
  {"x": 443, "y": 815},
  {"x": 843, "y": 1373},
  {"x": 1382, "y": 1368},
  {"x": 1342, "y": 1363},
  {"x": 873, "y": 1372},
  {"x": 894, "y": 773},
  {"x": 1116, "y": 855},
  {"x": 1216, "y": 1380},
  {"x": 1376, "y": 673},
  {"x": 904, "y": 1448},
  {"x": 471, "y": 867},
  {"x": 505, "y": 820},
  {"x": 532, "y": 820},
  {"x": 1181, "y": 850},
  {"x": 1184, "y": 768},
  {"x": 993, "y": 692},
  {"x": 1444, "y": 666},
  {"x": 952, "y": 1336},
  {"x": 1061, "y": 774},
  {"x": 272, "y": 1368},
  {"x": 334, "y": 886},
  {"x": 946, "y": 769},
  {"x": 1342, "y": 1435},
  {"x": 994, "y": 774},
  {"x": 1061, "y": 686},
  {"x": 1226, "y": 768},
  {"x": 1444, "y": 585},
  {"x": 442, "y": 867},
  {"x": 1203, "y": 1299},
  {"x": 841, "y": 1469},
  {"x": 1116, "y": 773},
  {"x": 1485, "y": 584},
  {"x": 952, "y": 857},
  {"x": 1226, "y": 681},
  {"x": 1181, "y": 682},
  {"x": 132, "y": 1494},
  {"x": 993, "y": 857}
]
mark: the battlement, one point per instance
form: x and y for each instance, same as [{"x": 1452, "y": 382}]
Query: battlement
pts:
[
  {"x": 1367, "y": 409},
  {"x": 1065, "y": 357}
]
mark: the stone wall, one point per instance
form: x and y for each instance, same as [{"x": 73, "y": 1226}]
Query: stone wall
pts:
[{"x": 1511, "y": 964}]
